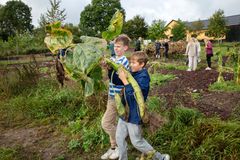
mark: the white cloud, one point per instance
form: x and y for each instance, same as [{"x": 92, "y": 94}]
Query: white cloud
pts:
[{"x": 186, "y": 10}]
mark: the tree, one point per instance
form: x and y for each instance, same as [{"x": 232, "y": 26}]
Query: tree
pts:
[
  {"x": 196, "y": 26},
  {"x": 157, "y": 29},
  {"x": 179, "y": 31},
  {"x": 75, "y": 31},
  {"x": 136, "y": 27},
  {"x": 15, "y": 18},
  {"x": 217, "y": 25},
  {"x": 54, "y": 14},
  {"x": 96, "y": 16},
  {"x": 42, "y": 21}
]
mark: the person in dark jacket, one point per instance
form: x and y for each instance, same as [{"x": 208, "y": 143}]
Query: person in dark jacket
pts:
[
  {"x": 166, "y": 48},
  {"x": 158, "y": 47},
  {"x": 131, "y": 124},
  {"x": 111, "y": 47},
  {"x": 138, "y": 44}
]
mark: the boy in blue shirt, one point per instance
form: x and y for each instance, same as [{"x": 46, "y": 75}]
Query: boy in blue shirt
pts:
[{"x": 131, "y": 124}]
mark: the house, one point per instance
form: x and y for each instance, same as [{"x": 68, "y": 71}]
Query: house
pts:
[{"x": 232, "y": 23}]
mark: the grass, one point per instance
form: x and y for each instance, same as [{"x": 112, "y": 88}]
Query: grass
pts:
[
  {"x": 176, "y": 66},
  {"x": 195, "y": 96},
  {"x": 156, "y": 104},
  {"x": 16, "y": 153},
  {"x": 45, "y": 104},
  {"x": 169, "y": 65},
  {"x": 160, "y": 79},
  {"x": 189, "y": 135},
  {"x": 226, "y": 86},
  {"x": 25, "y": 60}
]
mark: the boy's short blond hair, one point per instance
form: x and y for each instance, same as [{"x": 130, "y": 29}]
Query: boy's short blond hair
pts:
[
  {"x": 124, "y": 39},
  {"x": 140, "y": 56}
]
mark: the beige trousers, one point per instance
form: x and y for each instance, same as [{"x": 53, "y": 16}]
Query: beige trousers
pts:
[{"x": 109, "y": 124}]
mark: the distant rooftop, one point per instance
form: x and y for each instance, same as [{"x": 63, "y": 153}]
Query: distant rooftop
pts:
[{"x": 230, "y": 21}]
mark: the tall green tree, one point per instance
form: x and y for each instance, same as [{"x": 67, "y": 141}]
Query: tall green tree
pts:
[
  {"x": 15, "y": 18},
  {"x": 54, "y": 14},
  {"x": 136, "y": 27},
  {"x": 217, "y": 25},
  {"x": 179, "y": 31},
  {"x": 96, "y": 16},
  {"x": 157, "y": 29}
]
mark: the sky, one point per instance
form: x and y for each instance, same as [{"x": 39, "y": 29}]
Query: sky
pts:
[{"x": 167, "y": 10}]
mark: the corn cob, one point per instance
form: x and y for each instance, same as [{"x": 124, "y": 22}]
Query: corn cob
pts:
[{"x": 120, "y": 108}]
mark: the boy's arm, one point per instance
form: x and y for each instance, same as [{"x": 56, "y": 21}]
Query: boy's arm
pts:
[
  {"x": 143, "y": 83},
  {"x": 113, "y": 77}
]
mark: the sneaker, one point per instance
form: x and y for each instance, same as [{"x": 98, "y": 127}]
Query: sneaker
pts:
[
  {"x": 165, "y": 157},
  {"x": 115, "y": 154},
  {"x": 158, "y": 156},
  {"x": 107, "y": 154},
  {"x": 208, "y": 68},
  {"x": 188, "y": 70}
]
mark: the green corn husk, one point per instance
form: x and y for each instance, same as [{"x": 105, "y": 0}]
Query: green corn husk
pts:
[
  {"x": 220, "y": 68},
  {"x": 120, "y": 108},
  {"x": 136, "y": 88}
]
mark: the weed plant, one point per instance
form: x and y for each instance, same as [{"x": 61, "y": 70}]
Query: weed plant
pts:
[{"x": 160, "y": 79}]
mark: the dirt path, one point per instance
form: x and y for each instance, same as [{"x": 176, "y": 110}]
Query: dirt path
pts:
[{"x": 43, "y": 142}]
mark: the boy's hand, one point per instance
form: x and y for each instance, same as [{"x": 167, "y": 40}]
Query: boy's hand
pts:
[
  {"x": 104, "y": 64},
  {"x": 123, "y": 76}
]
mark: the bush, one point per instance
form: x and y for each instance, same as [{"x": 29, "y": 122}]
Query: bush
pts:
[
  {"x": 26, "y": 43},
  {"x": 18, "y": 80}
]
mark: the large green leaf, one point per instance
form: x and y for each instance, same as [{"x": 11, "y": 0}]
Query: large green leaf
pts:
[
  {"x": 85, "y": 56},
  {"x": 57, "y": 37},
  {"x": 80, "y": 61},
  {"x": 115, "y": 27}
]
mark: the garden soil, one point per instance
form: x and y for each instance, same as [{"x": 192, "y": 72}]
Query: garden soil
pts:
[{"x": 180, "y": 91}]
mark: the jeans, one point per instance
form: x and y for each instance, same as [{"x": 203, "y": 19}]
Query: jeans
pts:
[
  {"x": 135, "y": 133},
  {"x": 209, "y": 60}
]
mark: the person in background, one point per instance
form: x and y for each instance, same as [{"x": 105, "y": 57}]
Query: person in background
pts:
[
  {"x": 191, "y": 52},
  {"x": 138, "y": 44},
  {"x": 111, "y": 47},
  {"x": 198, "y": 49},
  {"x": 209, "y": 52},
  {"x": 158, "y": 47},
  {"x": 166, "y": 48}
]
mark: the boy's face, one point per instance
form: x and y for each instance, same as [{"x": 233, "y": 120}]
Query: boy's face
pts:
[
  {"x": 135, "y": 65},
  {"x": 119, "y": 48}
]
